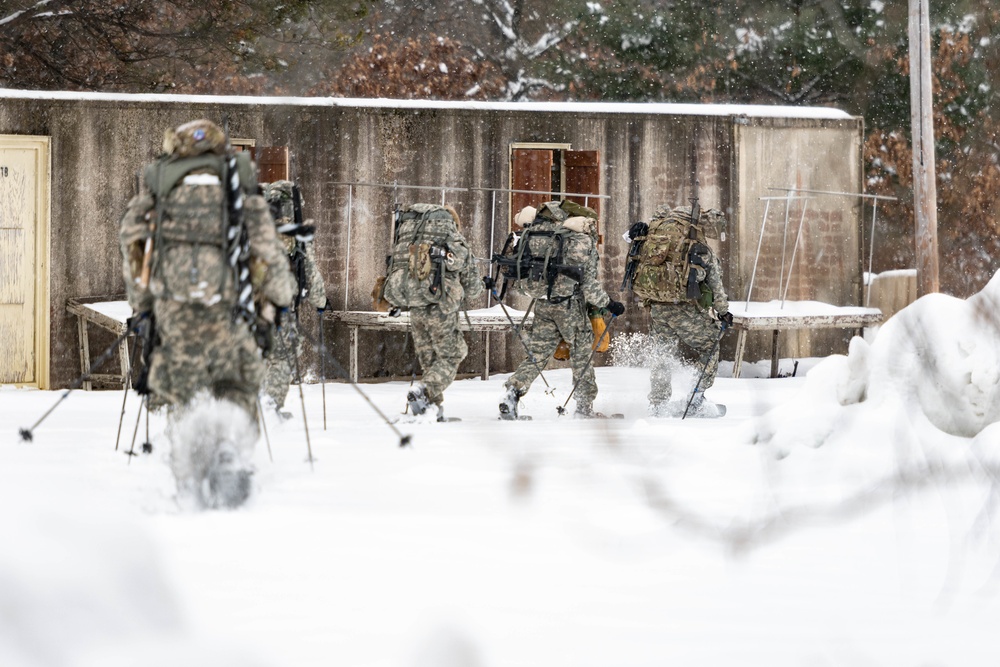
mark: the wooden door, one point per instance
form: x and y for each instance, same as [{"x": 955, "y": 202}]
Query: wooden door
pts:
[
  {"x": 531, "y": 170},
  {"x": 583, "y": 176},
  {"x": 272, "y": 164},
  {"x": 24, "y": 321}
]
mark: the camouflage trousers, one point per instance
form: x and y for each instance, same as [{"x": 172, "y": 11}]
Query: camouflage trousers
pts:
[
  {"x": 202, "y": 348},
  {"x": 440, "y": 348},
  {"x": 686, "y": 325},
  {"x": 554, "y": 322},
  {"x": 279, "y": 366}
]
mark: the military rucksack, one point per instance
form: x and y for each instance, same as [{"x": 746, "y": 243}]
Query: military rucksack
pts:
[
  {"x": 545, "y": 259},
  {"x": 673, "y": 260},
  {"x": 428, "y": 254},
  {"x": 285, "y": 201},
  {"x": 191, "y": 244}
]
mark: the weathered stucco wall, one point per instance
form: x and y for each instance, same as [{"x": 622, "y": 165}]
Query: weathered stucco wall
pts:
[
  {"x": 98, "y": 146},
  {"x": 811, "y": 248}
]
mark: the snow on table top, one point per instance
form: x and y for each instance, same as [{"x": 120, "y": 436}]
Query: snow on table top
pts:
[
  {"x": 121, "y": 311},
  {"x": 116, "y": 310},
  {"x": 791, "y": 309}
]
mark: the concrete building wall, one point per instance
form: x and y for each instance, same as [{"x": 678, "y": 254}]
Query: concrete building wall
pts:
[{"x": 100, "y": 143}]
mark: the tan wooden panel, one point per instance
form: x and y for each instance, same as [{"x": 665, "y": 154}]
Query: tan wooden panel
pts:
[
  {"x": 17, "y": 263},
  {"x": 583, "y": 175},
  {"x": 272, "y": 163},
  {"x": 12, "y": 278},
  {"x": 531, "y": 169}
]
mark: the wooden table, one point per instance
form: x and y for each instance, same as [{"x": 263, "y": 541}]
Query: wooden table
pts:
[
  {"x": 488, "y": 320},
  {"x": 109, "y": 313},
  {"x": 777, "y": 316}
]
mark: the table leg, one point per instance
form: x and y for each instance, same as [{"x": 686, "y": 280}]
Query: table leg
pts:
[
  {"x": 84, "y": 350},
  {"x": 774, "y": 354},
  {"x": 486, "y": 362},
  {"x": 741, "y": 345},
  {"x": 353, "y": 366},
  {"x": 123, "y": 360}
]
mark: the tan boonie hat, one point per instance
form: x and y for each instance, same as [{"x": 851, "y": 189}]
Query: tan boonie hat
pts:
[{"x": 194, "y": 138}]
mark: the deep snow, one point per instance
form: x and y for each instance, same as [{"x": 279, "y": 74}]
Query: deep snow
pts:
[{"x": 843, "y": 518}]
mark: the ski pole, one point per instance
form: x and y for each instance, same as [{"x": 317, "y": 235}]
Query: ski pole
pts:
[
  {"x": 302, "y": 397},
  {"x": 322, "y": 364},
  {"x": 520, "y": 336},
  {"x": 27, "y": 434},
  {"x": 126, "y": 387},
  {"x": 138, "y": 419},
  {"x": 404, "y": 440},
  {"x": 704, "y": 368},
  {"x": 561, "y": 409},
  {"x": 147, "y": 446},
  {"x": 263, "y": 425}
]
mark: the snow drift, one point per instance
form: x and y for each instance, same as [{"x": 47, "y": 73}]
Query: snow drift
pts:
[{"x": 935, "y": 364}]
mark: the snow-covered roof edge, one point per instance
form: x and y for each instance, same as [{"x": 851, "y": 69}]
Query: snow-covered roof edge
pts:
[{"x": 750, "y": 110}]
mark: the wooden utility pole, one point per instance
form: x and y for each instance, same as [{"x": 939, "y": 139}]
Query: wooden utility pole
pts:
[{"x": 922, "y": 130}]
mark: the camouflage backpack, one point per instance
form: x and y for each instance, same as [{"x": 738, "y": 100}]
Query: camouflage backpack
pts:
[
  {"x": 428, "y": 255},
  {"x": 192, "y": 248},
  {"x": 546, "y": 259},
  {"x": 670, "y": 263}
]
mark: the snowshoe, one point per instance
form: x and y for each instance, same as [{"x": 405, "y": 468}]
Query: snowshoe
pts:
[
  {"x": 228, "y": 482},
  {"x": 442, "y": 419},
  {"x": 417, "y": 400},
  {"x": 593, "y": 414},
  {"x": 702, "y": 408},
  {"x": 698, "y": 409},
  {"x": 508, "y": 404}
]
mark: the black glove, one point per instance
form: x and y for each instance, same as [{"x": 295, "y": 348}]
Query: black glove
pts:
[
  {"x": 726, "y": 319},
  {"x": 616, "y": 308},
  {"x": 488, "y": 282},
  {"x": 638, "y": 229}
]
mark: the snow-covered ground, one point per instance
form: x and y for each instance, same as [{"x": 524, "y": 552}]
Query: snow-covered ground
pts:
[{"x": 844, "y": 518}]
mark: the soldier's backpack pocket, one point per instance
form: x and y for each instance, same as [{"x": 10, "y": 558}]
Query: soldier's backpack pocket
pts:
[
  {"x": 420, "y": 260},
  {"x": 195, "y": 273}
]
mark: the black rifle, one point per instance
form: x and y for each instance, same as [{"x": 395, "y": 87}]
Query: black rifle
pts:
[
  {"x": 147, "y": 333},
  {"x": 298, "y": 258},
  {"x": 523, "y": 265},
  {"x": 439, "y": 255},
  {"x": 632, "y": 262},
  {"x": 693, "y": 290},
  {"x": 397, "y": 220}
]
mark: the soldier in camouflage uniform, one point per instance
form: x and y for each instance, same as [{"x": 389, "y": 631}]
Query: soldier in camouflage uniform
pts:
[
  {"x": 433, "y": 273},
  {"x": 298, "y": 244},
  {"x": 690, "y": 323},
  {"x": 177, "y": 269},
  {"x": 565, "y": 317}
]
